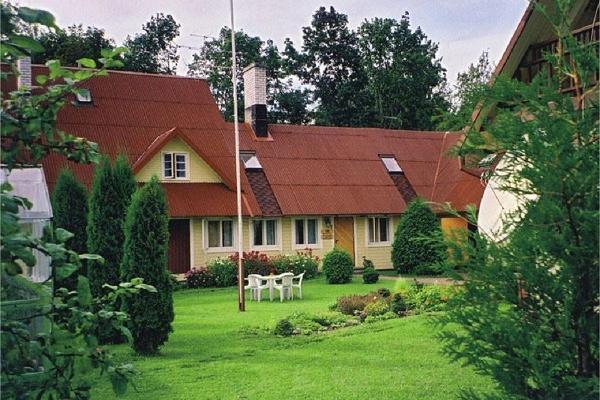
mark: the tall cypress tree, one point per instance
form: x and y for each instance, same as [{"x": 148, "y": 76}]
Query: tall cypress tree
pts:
[
  {"x": 146, "y": 245},
  {"x": 110, "y": 196},
  {"x": 69, "y": 206}
]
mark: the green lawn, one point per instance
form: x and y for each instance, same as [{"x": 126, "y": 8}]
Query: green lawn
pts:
[{"x": 208, "y": 357}]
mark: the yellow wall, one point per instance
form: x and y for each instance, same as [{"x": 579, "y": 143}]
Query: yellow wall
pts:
[
  {"x": 202, "y": 255},
  {"x": 454, "y": 227},
  {"x": 199, "y": 171},
  {"x": 380, "y": 255}
]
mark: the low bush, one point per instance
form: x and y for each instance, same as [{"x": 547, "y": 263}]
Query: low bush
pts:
[
  {"x": 338, "y": 266},
  {"x": 199, "y": 278},
  {"x": 307, "y": 324},
  {"x": 397, "y": 304},
  {"x": 297, "y": 264},
  {"x": 254, "y": 263},
  {"x": 384, "y": 292},
  {"x": 176, "y": 284},
  {"x": 382, "y": 317},
  {"x": 224, "y": 272},
  {"x": 284, "y": 328},
  {"x": 370, "y": 276},
  {"x": 353, "y": 304},
  {"x": 424, "y": 298},
  {"x": 378, "y": 307}
]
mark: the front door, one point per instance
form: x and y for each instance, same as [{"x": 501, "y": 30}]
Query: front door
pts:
[
  {"x": 343, "y": 233},
  {"x": 179, "y": 246}
]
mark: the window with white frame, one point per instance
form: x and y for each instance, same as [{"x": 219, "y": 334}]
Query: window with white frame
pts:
[
  {"x": 219, "y": 233},
  {"x": 306, "y": 232},
  {"x": 264, "y": 233},
  {"x": 379, "y": 230},
  {"x": 175, "y": 165}
]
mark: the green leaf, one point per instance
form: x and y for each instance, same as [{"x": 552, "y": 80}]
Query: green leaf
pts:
[
  {"x": 41, "y": 79},
  {"x": 62, "y": 235},
  {"x": 93, "y": 257},
  {"x": 66, "y": 270},
  {"x": 35, "y": 16},
  {"x": 83, "y": 291},
  {"x": 26, "y": 42},
  {"x": 119, "y": 384},
  {"x": 87, "y": 62}
]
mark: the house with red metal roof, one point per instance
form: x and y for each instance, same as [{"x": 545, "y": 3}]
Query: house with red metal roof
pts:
[{"x": 302, "y": 186}]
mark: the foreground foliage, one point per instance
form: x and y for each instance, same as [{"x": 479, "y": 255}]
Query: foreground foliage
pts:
[
  {"x": 529, "y": 311},
  {"x": 48, "y": 336}
]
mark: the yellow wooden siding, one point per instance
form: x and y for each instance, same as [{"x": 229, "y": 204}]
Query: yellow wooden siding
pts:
[
  {"x": 199, "y": 170},
  {"x": 380, "y": 255},
  {"x": 203, "y": 255},
  {"x": 454, "y": 227}
]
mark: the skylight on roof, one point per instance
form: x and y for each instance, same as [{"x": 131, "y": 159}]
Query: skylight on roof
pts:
[
  {"x": 84, "y": 96},
  {"x": 391, "y": 164},
  {"x": 250, "y": 160}
]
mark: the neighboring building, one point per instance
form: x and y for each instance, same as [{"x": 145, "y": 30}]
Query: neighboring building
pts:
[
  {"x": 30, "y": 183},
  {"x": 522, "y": 60},
  {"x": 303, "y": 186}
]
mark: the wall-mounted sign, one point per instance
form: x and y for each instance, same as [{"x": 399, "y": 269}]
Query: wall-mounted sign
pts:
[{"x": 326, "y": 234}]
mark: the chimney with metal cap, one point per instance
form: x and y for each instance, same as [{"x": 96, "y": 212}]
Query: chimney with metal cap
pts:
[
  {"x": 24, "y": 78},
  {"x": 255, "y": 98}
]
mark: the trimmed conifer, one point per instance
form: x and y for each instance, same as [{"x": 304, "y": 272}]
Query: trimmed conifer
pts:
[
  {"x": 69, "y": 208},
  {"x": 145, "y": 256},
  {"x": 110, "y": 196},
  {"x": 411, "y": 251}
]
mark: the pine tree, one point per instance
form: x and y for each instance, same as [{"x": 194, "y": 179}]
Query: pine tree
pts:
[
  {"x": 110, "y": 196},
  {"x": 69, "y": 207},
  {"x": 412, "y": 252},
  {"x": 146, "y": 245}
]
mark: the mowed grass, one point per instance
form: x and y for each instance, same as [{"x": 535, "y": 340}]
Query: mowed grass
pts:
[{"x": 209, "y": 356}]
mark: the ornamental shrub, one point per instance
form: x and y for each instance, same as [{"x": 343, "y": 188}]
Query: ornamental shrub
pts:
[
  {"x": 223, "y": 271},
  {"x": 254, "y": 263},
  {"x": 376, "y": 308},
  {"x": 284, "y": 328},
  {"x": 199, "y": 278},
  {"x": 110, "y": 196},
  {"x": 338, "y": 266},
  {"x": 397, "y": 304},
  {"x": 412, "y": 252},
  {"x": 145, "y": 256},
  {"x": 69, "y": 208},
  {"x": 297, "y": 264}
]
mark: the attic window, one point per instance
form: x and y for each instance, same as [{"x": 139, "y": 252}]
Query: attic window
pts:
[
  {"x": 250, "y": 160},
  {"x": 391, "y": 164},
  {"x": 83, "y": 96}
]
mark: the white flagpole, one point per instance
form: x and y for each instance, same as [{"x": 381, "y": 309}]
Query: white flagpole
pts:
[{"x": 238, "y": 187}]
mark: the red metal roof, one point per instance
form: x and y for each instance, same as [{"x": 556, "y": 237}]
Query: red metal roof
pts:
[{"x": 311, "y": 169}]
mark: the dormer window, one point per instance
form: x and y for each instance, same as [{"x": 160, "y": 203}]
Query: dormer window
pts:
[
  {"x": 250, "y": 160},
  {"x": 83, "y": 96},
  {"x": 175, "y": 166},
  {"x": 391, "y": 164}
]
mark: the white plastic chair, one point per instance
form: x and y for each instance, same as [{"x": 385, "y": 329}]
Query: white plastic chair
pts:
[
  {"x": 298, "y": 285},
  {"x": 285, "y": 287},
  {"x": 255, "y": 285}
]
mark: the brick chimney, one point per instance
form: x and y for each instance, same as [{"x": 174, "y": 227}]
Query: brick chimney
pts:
[
  {"x": 24, "y": 78},
  {"x": 255, "y": 98}
]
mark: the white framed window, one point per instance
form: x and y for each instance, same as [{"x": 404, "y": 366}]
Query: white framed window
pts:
[
  {"x": 175, "y": 165},
  {"x": 378, "y": 231},
  {"x": 306, "y": 233},
  {"x": 218, "y": 234},
  {"x": 265, "y": 234}
]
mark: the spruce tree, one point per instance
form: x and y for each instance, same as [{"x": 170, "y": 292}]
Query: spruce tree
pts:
[
  {"x": 69, "y": 207},
  {"x": 412, "y": 252},
  {"x": 146, "y": 246},
  {"x": 110, "y": 196}
]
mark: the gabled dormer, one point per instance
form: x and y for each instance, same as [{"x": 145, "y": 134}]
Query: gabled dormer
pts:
[{"x": 173, "y": 158}]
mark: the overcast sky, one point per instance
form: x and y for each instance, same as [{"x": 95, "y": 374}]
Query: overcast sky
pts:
[{"x": 463, "y": 28}]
